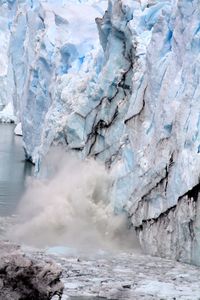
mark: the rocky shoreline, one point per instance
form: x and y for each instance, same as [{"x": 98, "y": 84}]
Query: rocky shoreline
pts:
[
  {"x": 31, "y": 274},
  {"x": 25, "y": 278}
]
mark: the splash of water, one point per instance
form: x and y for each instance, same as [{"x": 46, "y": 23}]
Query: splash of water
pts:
[{"x": 71, "y": 208}]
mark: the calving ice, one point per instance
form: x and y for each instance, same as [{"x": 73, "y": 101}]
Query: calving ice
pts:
[{"x": 122, "y": 87}]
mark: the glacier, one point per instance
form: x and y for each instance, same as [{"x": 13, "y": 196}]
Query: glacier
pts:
[{"x": 121, "y": 87}]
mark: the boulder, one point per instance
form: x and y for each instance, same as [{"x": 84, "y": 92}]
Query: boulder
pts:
[{"x": 26, "y": 278}]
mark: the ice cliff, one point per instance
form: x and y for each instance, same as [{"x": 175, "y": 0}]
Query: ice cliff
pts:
[{"x": 129, "y": 99}]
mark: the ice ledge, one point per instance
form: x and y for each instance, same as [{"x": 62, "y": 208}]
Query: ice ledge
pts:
[{"x": 175, "y": 233}]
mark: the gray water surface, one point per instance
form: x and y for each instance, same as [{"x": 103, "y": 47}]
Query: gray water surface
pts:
[
  {"x": 88, "y": 298},
  {"x": 13, "y": 170}
]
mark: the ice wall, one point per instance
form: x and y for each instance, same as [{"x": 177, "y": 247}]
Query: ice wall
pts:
[
  {"x": 140, "y": 115},
  {"x": 133, "y": 103},
  {"x": 4, "y": 46},
  {"x": 44, "y": 39}
]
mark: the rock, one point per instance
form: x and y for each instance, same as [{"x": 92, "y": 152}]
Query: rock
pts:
[
  {"x": 126, "y": 286},
  {"x": 24, "y": 278}
]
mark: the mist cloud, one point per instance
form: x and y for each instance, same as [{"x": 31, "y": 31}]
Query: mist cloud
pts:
[{"x": 71, "y": 208}]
